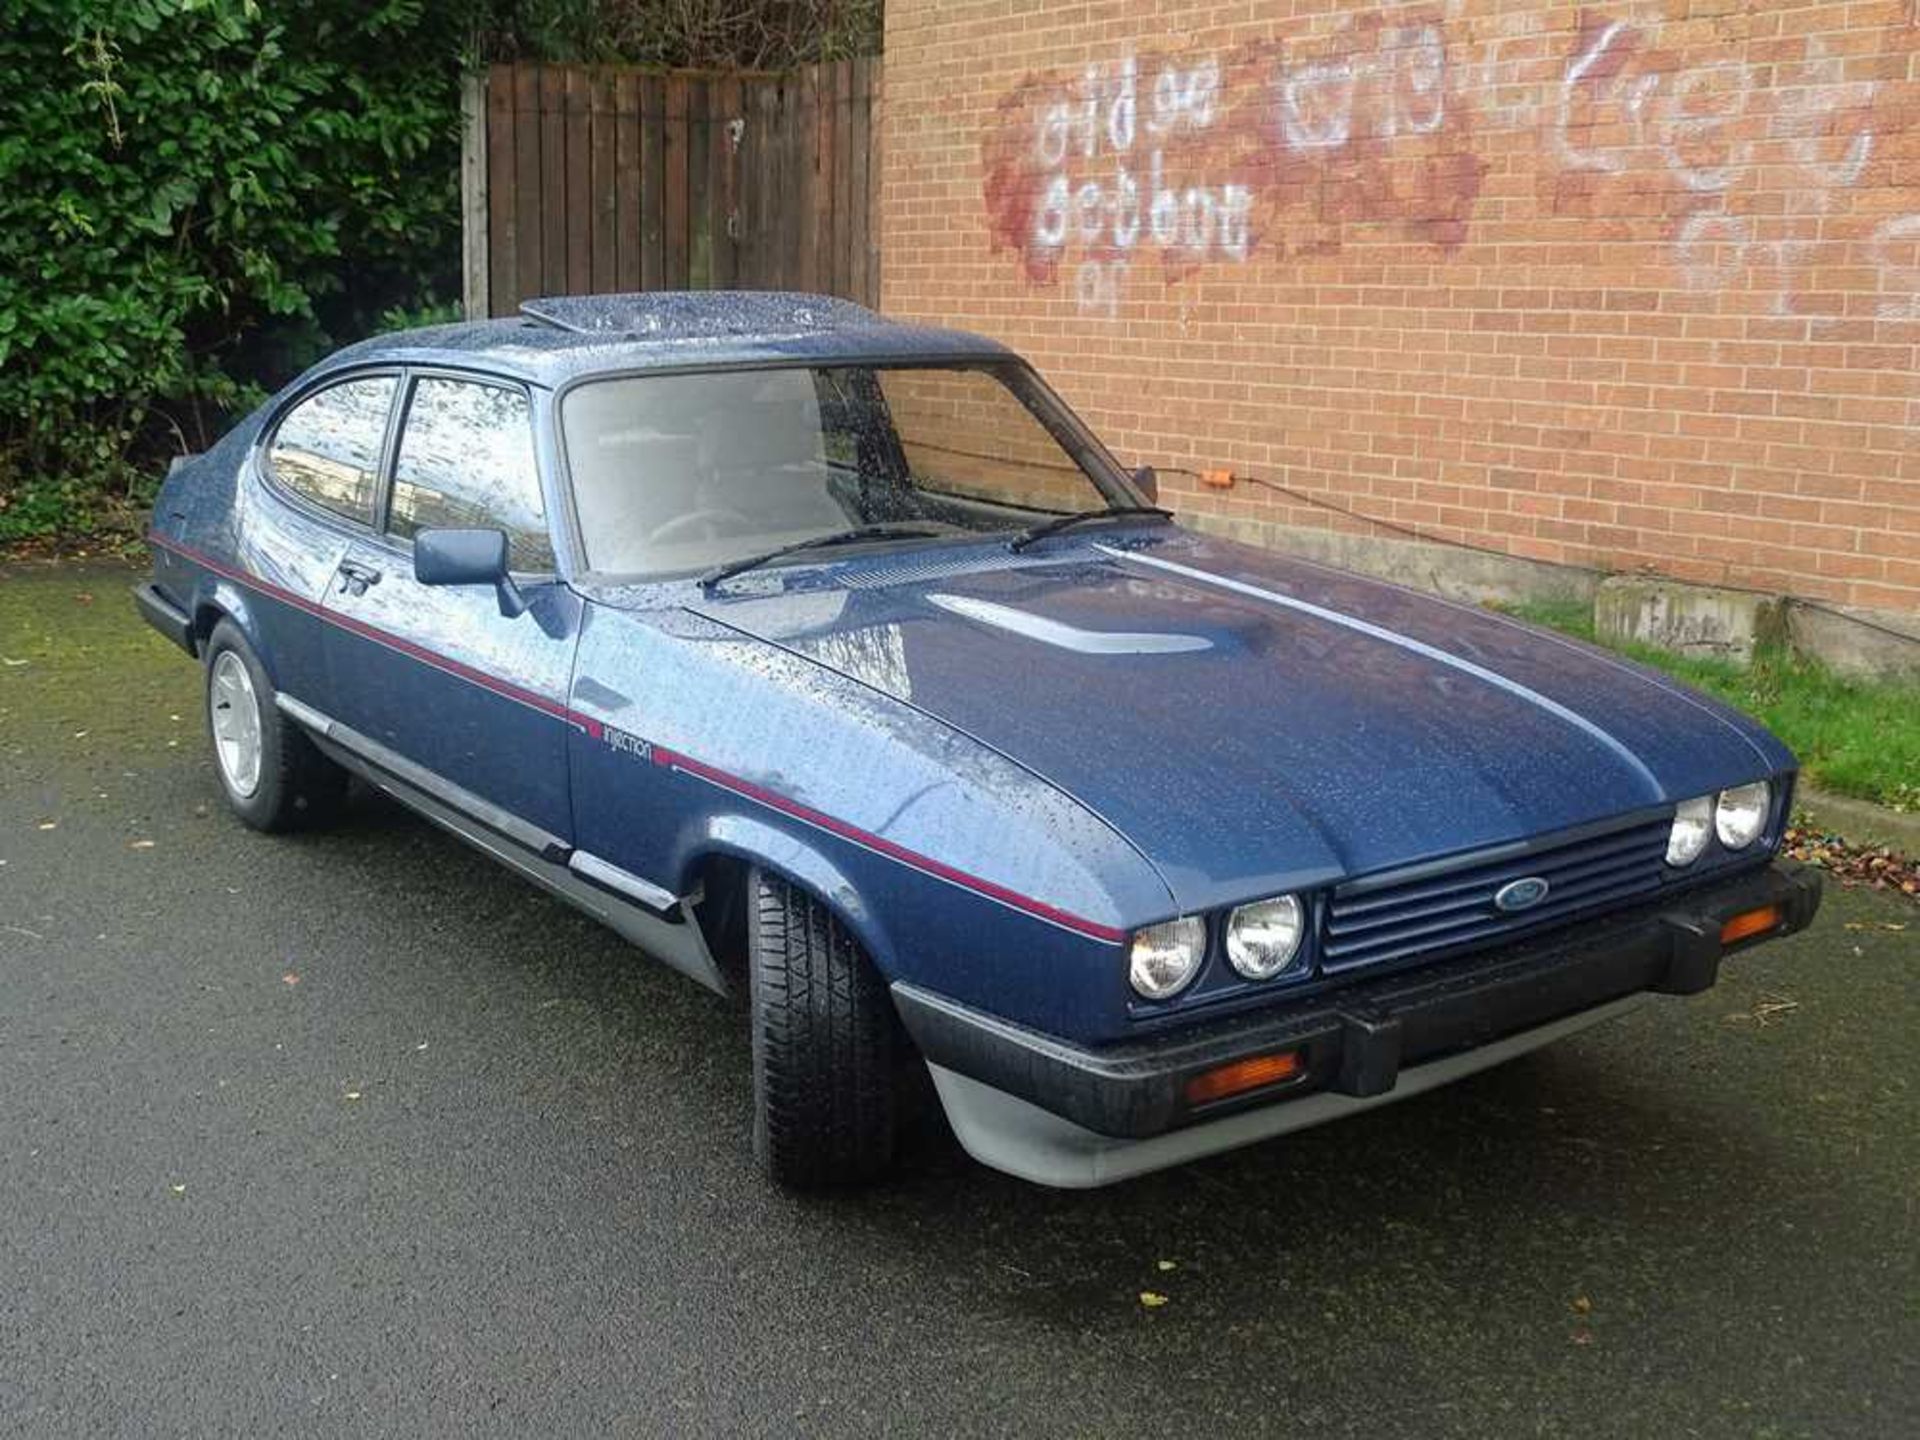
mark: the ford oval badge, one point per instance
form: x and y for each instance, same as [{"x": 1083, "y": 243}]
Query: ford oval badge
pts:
[{"x": 1521, "y": 894}]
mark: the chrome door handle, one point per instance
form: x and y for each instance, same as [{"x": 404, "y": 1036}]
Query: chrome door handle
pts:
[{"x": 355, "y": 577}]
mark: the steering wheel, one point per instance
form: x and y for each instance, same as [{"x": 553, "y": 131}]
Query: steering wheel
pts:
[{"x": 710, "y": 522}]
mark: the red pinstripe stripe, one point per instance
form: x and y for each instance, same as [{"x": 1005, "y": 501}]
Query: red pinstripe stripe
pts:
[
  {"x": 447, "y": 663},
  {"x": 926, "y": 864},
  {"x": 671, "y": 759}
]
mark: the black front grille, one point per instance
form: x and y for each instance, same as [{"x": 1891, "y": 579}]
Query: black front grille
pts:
[{"x": 1447, "y": 908}]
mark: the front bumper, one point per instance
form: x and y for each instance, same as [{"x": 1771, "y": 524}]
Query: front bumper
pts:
[{"x": 1067, "y": 1115}]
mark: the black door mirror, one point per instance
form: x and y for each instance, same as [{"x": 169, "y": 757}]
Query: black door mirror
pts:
[
  {"x": 1147, "y": 481},
  {"x": 467, "y": 557}
]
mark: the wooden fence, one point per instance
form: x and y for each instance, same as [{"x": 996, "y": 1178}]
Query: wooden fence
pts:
[{"x": 588, "y": 179}]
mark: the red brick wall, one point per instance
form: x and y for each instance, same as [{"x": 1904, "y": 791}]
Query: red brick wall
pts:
[{"x": 1624, "y": 285}]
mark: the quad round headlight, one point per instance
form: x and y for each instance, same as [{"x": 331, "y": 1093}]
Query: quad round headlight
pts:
[
  {"x": 1741, "y": 814},
  {"x": 1692, "y": 824},
  {"x": 1164, "y": 957},
  {"x": 1263, "y": 938}
]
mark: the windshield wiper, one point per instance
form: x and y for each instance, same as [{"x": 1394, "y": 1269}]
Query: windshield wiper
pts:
[
  {"x": 1061, "y": 522},
  {"x": 890, "y": 530}
]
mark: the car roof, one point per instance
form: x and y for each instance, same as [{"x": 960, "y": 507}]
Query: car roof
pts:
[{"x": 561, "y": 338}]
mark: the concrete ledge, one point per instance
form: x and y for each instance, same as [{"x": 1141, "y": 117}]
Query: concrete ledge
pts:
[
  {"x": 1729, "y": 624},
  {"x": 1868, "y": 643},
  {"x": 1690, "y": 619},
  {"x": 1687, "y": 619},
  {"x": 1860, "y": 821},
  {"x": 1475, "y": 576}
]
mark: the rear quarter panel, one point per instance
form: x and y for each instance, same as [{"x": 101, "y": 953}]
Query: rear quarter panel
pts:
[{"x": 224, "y": 544}]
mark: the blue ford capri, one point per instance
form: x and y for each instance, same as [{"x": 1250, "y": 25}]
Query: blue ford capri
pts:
[{"x": 835, "y": 663}]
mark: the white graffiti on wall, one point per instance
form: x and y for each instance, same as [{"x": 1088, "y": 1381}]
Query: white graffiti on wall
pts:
[
  {"x": 1706, "y": 124},
  {"x": 1110, "y": 186},
  {"x": 1128, "y": 162},
  {"x": 1318, "y": 99},
  {"x": 1896, "y": 252},
  {"x": 1589, "y": 67},
  {"x": 1136, "y": 156}
]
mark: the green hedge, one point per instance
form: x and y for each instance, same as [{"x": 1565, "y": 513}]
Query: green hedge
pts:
[
  {"x": 200, "y": 197},
  {"x": 197, "y": 197}
]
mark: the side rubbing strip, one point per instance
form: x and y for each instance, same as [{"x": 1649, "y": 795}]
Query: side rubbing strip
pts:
[
  {"x": 372, "y": 753},
  {"x": 321, "y": 725},
  {"x": 592, "y": 867},
  {"x": 1405, "y": 642}
]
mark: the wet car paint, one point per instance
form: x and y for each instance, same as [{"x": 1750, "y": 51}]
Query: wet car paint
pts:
[
  {"x": 993, "y": 798},
  {"x": 1291, "y": 749}
]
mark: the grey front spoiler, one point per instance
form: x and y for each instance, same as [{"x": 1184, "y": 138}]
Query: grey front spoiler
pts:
[{"x": 1017, "y": 1136}]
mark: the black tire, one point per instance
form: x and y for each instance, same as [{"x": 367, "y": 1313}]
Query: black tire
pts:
[
  {"x": 826, "y": 1042},
  {"x": 298, "y": 787}
]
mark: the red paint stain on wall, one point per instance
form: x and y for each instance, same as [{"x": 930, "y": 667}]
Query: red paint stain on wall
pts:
[{"x": 1191, "y": 159}]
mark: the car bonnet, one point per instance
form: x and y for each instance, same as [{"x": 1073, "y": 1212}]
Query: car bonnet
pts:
[{"x": 1256, "y": 723}]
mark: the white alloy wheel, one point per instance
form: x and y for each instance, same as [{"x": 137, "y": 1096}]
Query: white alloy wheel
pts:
[{"x": 234, "y": 708}]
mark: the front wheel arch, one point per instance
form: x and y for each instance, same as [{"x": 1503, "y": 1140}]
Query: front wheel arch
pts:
[{"x": 735, "y": 841}]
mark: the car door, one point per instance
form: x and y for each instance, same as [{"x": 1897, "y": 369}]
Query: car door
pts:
[
  {"x": 318, "y": 469},
  {"x": 437, "y": 674}
]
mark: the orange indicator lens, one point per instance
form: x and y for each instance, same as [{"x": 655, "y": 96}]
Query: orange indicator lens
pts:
[
  {"x": 1243, "y": 1075},
  {"x": 1749, "y": 923}
]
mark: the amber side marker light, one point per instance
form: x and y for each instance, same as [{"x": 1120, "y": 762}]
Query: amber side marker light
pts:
[
  {"x": 1243, "y": 1075},
  {"x": 1749, "y": 923}
]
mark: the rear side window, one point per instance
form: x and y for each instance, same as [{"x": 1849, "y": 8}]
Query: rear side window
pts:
[
  {"x": 327, "y": 449},
  {"x": 466, "y": 461}
]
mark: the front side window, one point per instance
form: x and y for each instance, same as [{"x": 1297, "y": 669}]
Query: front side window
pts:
[
  {"x": 466, "y": 461},
  {"x": 677, "y": 473},
  {"x": 327, "y": 449}
]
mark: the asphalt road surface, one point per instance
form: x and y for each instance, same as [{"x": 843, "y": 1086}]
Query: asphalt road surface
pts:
[{"x": 354, "y": 1134}]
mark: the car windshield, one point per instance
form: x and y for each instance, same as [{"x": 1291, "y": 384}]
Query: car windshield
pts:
[{"x": 675, "y": 474}]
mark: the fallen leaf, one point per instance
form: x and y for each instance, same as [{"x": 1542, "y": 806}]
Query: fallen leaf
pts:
[
  {"x": 1582, "y": 1305},
  {"x": 1152, "y": 1299},
  {"x": 1876, "y": 866},
  {"x": 1768, "y": 1008}
]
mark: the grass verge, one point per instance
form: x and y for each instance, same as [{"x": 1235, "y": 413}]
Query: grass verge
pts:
[{"x": 1853, "y": 737}]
